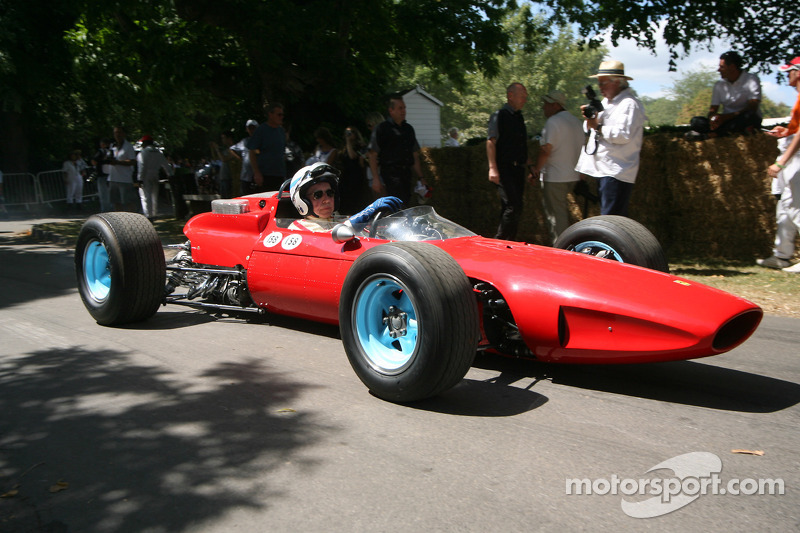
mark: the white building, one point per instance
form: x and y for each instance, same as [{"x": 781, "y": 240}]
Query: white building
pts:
[{"x": 423, "y": 111}]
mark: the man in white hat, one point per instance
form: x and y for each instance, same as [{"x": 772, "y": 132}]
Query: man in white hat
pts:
[
  {"x": 611, "y": 154},
  {"x": 561, "y": 142}
]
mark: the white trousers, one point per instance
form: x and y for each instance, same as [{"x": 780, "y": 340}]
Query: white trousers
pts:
[
  {"x": 74, "y": 185},
  {"x": 787, "y": 211},
  {"x": 148, "y": 193}
]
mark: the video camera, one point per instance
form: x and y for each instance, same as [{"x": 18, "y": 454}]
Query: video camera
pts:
[{"x": 594, "y": 107}]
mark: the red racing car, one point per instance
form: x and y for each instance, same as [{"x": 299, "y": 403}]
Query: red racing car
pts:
[{"x": 415, "y": 295}]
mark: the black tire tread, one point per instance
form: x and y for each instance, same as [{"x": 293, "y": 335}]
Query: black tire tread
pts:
[
  {"x": 634, "y": 235},
  {"x": 457, "y": 333},
  {"x": 140, "y": 271}
]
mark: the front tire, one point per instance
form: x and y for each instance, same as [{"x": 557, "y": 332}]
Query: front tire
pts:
[
  {"x": 120, "y": 266},
  {"x": 617, "y": 238},
  {"x": 408, "y": 320}
]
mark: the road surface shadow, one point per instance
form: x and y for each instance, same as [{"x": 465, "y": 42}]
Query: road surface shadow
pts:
[
  {"x": 681, "y": 382},
  {"x": 134, "y": 448},
  {"x": 492, "y": 398}
]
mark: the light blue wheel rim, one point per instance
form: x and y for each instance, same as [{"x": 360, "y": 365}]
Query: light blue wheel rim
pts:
[
  {"x": 96, "y": 271},
  {"x": 599, "y": 249},
  {"x": 377, "y": 298}
]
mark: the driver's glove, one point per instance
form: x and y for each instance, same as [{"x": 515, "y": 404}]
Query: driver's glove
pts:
[{"x": 389, "y": 204}]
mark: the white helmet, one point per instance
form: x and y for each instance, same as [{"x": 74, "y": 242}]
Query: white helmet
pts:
[{"x": 304, "y": 178}]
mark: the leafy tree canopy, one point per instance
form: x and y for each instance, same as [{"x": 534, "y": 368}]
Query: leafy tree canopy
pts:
[
  {"x": 556, "y": 65},
  {"x": 766, "y": 32},
  {"x": 179, "y": 69}
]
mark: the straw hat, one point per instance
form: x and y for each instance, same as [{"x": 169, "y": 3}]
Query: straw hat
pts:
[
  {"x": 611, "y": 68},
  {"x": 555, "y": 97}
]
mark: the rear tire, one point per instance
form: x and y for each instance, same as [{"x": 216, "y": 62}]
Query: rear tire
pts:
[
  {"x": 617, "y": 238},
  {"x": 120, "y": 266},
  {"x": 408, "y": 320}
]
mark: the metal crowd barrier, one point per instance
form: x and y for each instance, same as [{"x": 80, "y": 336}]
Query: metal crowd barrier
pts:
[
  {"x": 26, "y": 189},
  {"x": 51, "y": 187},
  {"x": 20, "y": 189}
]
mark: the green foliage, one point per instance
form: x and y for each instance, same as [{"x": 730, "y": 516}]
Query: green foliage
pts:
[
  {"x": 766, "y": 32},
  {"x": 660, "y": 111},
  {"x": 770, "y": 109},
  {"x": 558, "y": 64},
  {"x": 182, "y": 70}
]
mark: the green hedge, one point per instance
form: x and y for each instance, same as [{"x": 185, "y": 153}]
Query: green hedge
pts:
[{"x": 701, "y": 199}]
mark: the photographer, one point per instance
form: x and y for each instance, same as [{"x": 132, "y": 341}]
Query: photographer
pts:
[{"x": 611, "y": 154}]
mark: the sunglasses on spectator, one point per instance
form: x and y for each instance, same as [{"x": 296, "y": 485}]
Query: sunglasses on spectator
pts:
[{"x": 316, "y": 195}]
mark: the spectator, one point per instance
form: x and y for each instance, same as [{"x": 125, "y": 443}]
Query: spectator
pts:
[
  {"x": 611, "y": 154},
  {"x": 507, "y": 152},
  {"x": 353, "y": 182},
  {"x": 452, "y": 137},
  {"x": 226, "y": 157},
  {"x": 74, "y": 173},
  {"x": 739, "y": 94},
  {"x": 561, "y": 142},
  {"x": 372, "y": 121},
  {"x": 326, "y": 151},
  {"x": 267, "y": 148},
  {"x": 394, "y": 154},
  {"x": 100, "y": 161},
  {"x": 293, "y": 154},
  {"x": 150, "y": 161},
  {"x": 246, "y": 175},
  {"x": 120, "y": 178},
  {"x": 785, "y": 173}
]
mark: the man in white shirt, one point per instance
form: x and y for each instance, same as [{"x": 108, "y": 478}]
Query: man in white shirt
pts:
[
  {"x": 739, "y": 94},
  {"x": 452, "y": 137},
  {"x": 150, "y": 161},
  {"x": 561, "y": 142},
  {"x": 121, "y": 190},
  {"x": 611, "y": 154}
]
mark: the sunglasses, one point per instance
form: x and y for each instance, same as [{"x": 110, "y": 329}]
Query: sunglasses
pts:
[{"x": 319, "y": 193}]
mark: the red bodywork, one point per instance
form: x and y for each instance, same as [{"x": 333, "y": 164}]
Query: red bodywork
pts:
[{"x": 569, "y": 307}]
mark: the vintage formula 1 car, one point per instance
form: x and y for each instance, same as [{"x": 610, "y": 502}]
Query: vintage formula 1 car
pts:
[{"x": 415, "y": 295}]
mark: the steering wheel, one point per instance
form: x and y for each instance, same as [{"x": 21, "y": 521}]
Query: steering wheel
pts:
[
  {"x": 373, "y": 223},
  {"x": 422, "y": 230}
]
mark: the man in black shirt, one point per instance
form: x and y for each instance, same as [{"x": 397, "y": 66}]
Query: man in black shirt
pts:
[
  {"x": 509, "y": 164},
  {"x": 394, "y": 150}
]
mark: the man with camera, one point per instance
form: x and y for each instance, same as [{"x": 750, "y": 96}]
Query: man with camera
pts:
[{"x": 615, "y": 127}]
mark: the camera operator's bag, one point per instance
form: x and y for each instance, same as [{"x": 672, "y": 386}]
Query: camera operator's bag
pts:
[{"x": 700, "y": 124}]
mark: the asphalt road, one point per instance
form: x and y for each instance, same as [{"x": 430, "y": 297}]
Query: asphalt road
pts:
[{"x": 191, "y": 423}]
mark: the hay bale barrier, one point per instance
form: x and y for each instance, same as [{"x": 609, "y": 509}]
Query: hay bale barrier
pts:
[{"x": 708, "y": 199}]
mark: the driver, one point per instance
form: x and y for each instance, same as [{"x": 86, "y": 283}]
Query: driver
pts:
[{"x": 314, "y": 191}]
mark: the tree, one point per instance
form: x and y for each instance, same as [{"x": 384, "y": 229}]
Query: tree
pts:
[
  {"x": 766, "y": 32},
  {"x": 35, "y": 65},
  {"x": 183, "y": 69},
  {"x": 557, "y": 64},
  {"x": 331, "y": 60}
]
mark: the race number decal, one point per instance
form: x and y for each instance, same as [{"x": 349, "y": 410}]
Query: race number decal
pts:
[
  {"x": 291, "y": 242},
  {"x": 272, "y": 239}
]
